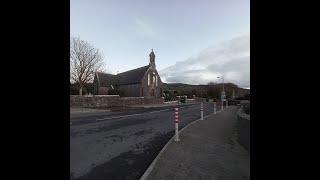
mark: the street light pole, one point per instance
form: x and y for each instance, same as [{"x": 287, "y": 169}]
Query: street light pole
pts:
[
  {"x": 222, "y": 84},
  {"x": 222, "y": 93}
]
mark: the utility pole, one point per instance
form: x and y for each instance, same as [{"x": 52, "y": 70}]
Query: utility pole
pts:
[
  {"x": 223, "y": 94},
  {"x": 233, "y": 94},
  {"x": 222, "y": 84}
]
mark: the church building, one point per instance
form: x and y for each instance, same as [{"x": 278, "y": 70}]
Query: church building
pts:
[{"x": 141, "y": 82}]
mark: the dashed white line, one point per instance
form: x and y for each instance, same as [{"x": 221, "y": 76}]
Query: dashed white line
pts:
[
  {"x": 117, "y": 117},
  {"x": 159, "y": 111}
]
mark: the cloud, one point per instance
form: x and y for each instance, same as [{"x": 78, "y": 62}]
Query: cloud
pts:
[{"x": 230, "y": 59}]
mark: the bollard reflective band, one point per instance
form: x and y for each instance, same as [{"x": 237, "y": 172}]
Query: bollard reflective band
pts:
[{"x": 176, "y": 113}]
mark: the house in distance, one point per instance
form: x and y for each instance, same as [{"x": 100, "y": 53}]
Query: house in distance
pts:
[{"x": 141, "y": 82}]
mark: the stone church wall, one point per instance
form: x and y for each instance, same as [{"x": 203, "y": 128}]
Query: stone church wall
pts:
[
  {"x": 103, "y": 90},
  {"x": 132, "y": 90}
]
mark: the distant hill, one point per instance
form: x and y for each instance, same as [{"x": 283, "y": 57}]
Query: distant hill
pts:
[{"x": 211, "y": 90}]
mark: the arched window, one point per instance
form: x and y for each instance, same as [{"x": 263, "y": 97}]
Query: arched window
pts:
[
  {"x": 156, "y": 81},
  {"x": 148, "y": 79}
]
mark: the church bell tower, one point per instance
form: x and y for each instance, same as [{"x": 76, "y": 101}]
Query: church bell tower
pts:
[{"x": 152, "y": 59}]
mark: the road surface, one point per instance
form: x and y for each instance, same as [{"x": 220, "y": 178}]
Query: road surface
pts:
[{"x": 121, "y": 145}]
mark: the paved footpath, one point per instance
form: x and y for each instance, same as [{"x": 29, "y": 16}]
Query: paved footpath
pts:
[{"x": 207, "y": 150}]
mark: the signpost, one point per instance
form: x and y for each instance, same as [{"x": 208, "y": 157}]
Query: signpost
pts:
[
  {"x": 201, "y": 110},
  {"x": 222, "y": 99}
]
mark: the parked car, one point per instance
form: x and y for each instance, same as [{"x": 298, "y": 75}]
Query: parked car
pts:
[{"x": 183, "y": 99}]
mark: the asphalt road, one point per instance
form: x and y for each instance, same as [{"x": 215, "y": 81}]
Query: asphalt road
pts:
[{"x": 121, "y": 145}]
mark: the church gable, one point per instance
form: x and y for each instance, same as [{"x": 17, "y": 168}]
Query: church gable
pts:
[{"x": 152, "y": 77}]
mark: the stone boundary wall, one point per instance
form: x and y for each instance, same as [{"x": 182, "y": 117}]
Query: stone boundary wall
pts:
[
  {"x": 108, "y": 101},
  {"x": 129, "y": 101},
  {"x": 153, "y": 100},
  {"x": 94, "y": 101},
  {"x": 243, "y": 129},
  {"x": 199, "y": 99}
]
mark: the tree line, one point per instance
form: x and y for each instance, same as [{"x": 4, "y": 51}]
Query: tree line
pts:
[{"x": 211, "y": 90}]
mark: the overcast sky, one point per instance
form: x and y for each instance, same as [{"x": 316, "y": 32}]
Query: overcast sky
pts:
[{"x": 177, "y": 30}]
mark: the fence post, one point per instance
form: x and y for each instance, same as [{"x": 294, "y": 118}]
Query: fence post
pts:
[
  {"x": 214, "y": 108},
  {"x": 201, "y": 110},
  {"x": 176, "y": 113}
]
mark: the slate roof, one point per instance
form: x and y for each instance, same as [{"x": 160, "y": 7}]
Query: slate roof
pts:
[
  {"x": 106, "y": 79},
  {"x": 129, "y": 77}
]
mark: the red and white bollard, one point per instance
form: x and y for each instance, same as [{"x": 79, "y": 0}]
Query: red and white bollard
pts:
[
  {"x": 176, "y": 115},
  {"x": 201, "y": 110},
  {"x": 214, "y": 108}
]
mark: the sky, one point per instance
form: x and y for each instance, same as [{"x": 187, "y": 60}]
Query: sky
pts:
[
  {"x": 178, "y": 31},
  {"x": 229, "y": 59}
]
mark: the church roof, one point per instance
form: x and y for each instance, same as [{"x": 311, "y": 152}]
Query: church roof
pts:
[
  {"x": 106, "y": 79},
  {"x": 129, "y": 77},
  {"x": 133, "y": 76}
]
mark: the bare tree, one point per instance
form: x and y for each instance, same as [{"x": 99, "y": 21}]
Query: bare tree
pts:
[{"x": 85, "y": 60}]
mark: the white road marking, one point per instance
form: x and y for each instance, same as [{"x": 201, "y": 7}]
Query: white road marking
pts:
[
  {"x": 117, "y": 117},
  {"x": 159, "y": 111}
]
